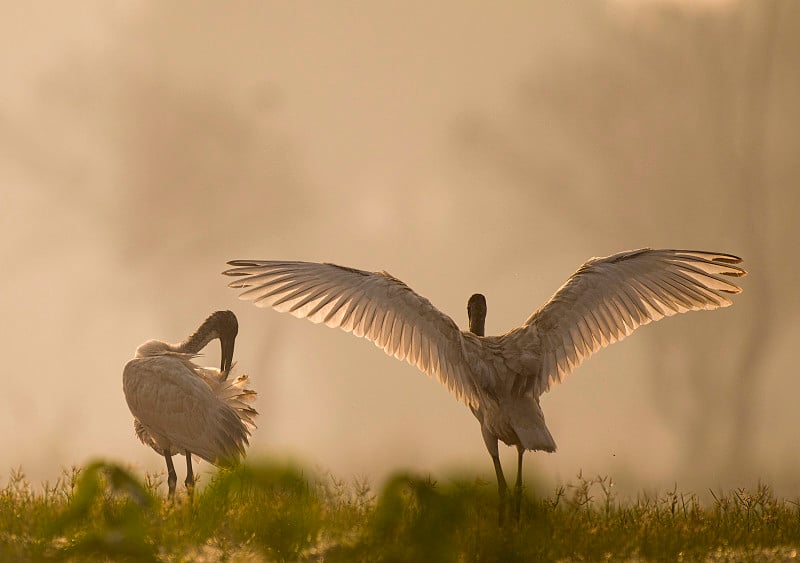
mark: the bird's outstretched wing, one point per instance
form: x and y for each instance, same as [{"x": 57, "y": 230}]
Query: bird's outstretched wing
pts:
[
  {"x": 372, "y": 305},
  {"x": 608, "y": 298}
]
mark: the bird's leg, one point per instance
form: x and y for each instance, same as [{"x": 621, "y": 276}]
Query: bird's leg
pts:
[
  {"x": 172, "y": 477},
  {"x": 502, "y": 488},
  {"x": 518, "y": 484},
  {"x": 189, "y": 473}
]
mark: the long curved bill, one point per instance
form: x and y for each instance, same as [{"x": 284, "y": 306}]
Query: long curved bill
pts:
[{"x": 227, "y": 343}]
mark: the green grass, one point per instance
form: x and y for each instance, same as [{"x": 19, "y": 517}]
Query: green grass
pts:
[{"x": 282, "y": 513}]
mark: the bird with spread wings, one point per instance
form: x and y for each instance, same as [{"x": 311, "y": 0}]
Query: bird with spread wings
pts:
[{"x": 501, "y": 377}]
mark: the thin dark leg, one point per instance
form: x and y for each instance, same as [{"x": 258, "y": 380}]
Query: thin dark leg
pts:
[
  {"x": 491, "y": 444},
  {"x": 518, "y": 484},
  {"x": 502, "y": 488},
  {"x": 172, "y": 477},
  {"x": 189, "y": 473}
]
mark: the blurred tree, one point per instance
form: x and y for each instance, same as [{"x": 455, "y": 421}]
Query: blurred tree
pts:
[
  {"x": 669, "y": 125},
  {"x": 176, "y": 156},
  {"x": 201, "y": 175},
  {"x": 206, "y": 175}
]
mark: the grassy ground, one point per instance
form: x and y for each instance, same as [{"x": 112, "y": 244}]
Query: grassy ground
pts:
[{"x": 269, "y": 512}]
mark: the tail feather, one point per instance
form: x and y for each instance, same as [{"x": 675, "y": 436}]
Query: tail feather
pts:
[
  {"x": 237, "y": 417},
  {"x": 535, "y": 438},
  {"x": 527, "y": 420}
]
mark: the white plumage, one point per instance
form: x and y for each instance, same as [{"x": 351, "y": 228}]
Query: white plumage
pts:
[
  {"x": 499, "y": 377},
  {"x": 182, "y": 408}
]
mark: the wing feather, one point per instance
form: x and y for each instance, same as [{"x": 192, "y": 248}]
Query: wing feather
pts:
[
  {"x": 372, "y": 305},
  {"x": 608, "y": 298},
  {"x": 637, "y": 309}
]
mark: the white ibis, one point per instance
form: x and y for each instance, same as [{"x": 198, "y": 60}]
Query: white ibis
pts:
[
  {"x": 501, "y": 377},
  {"x": 182, "y": 408}
]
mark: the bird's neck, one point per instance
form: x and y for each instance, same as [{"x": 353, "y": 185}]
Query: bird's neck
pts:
[
  {"x": 205, "y": 333},
  {"x": 476, "y": 323}
]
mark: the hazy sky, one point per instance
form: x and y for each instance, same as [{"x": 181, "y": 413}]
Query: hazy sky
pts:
[{"x": 142, "y": 145}]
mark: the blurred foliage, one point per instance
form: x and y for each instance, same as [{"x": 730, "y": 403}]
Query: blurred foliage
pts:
[
  {"x": 106, "y": 514},
  {"x": 270, "y": 512},
  {"x": 275, "y": 508}
]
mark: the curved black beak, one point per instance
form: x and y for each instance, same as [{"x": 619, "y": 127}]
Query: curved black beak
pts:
[
  {"x": 227, "y": 339},
  {"x": 227, "y": 344}
]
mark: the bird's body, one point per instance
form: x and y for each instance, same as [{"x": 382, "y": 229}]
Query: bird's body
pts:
[
  {"x": 499, "y": 377},
  {"x": 182, "y": 408}
]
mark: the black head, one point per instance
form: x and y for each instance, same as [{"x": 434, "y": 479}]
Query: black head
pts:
[
  {"x": 224, "y": 322},
  {"x": 222, "y": 325},
  {"x": 476, "y": 311}
]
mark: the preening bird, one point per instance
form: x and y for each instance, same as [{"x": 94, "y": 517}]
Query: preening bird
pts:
[
  {"x": 501, "y": 377},
  {"x": 181, "y": 408}
]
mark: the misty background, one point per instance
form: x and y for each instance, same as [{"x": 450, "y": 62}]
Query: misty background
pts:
[{"x": 463, "y": 147}]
